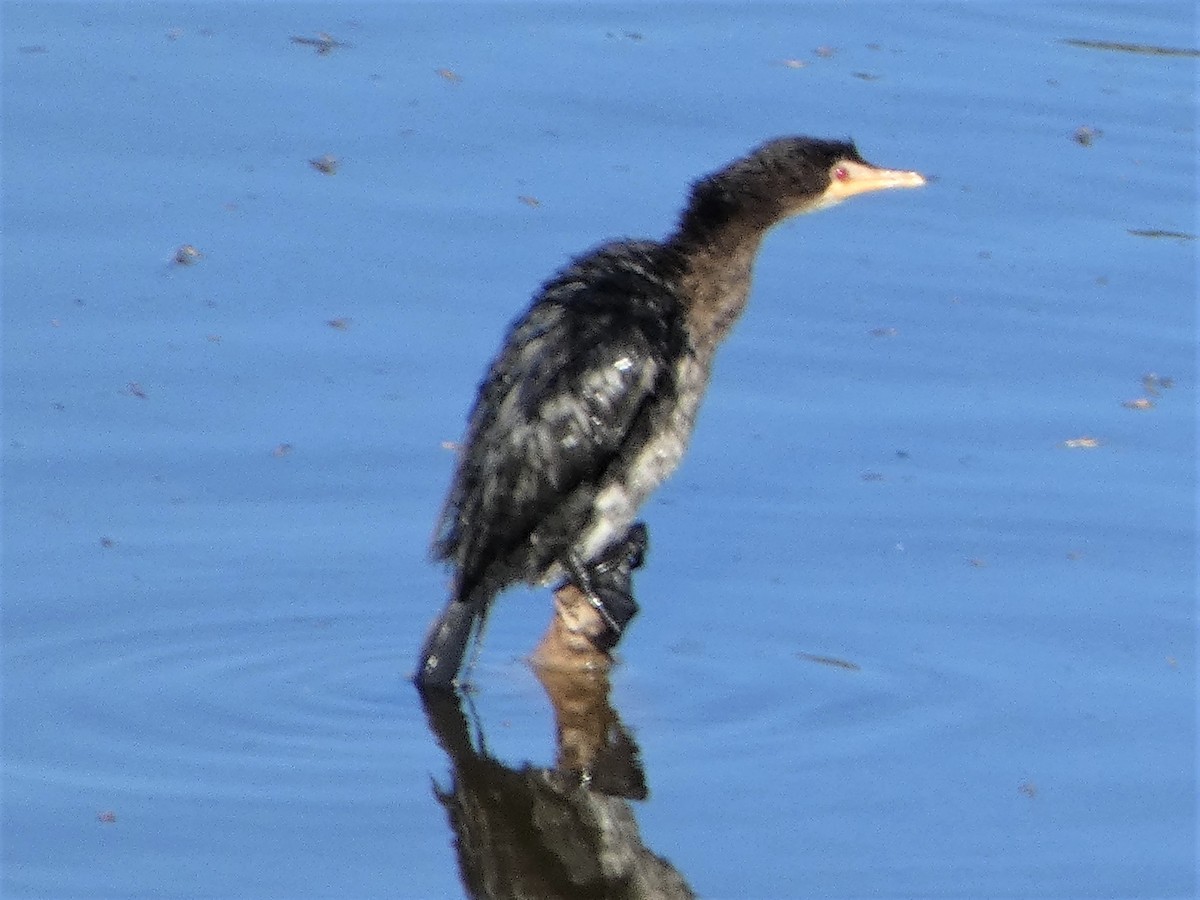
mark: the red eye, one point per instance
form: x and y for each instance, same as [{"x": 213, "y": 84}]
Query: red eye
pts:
[{"x": 841, "y": 174}]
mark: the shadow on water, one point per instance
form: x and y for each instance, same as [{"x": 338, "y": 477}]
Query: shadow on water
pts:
[{"x": 567, "y": 830}]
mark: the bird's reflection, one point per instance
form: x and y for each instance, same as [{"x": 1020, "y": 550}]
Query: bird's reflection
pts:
[{"x": 564, "y": 831}]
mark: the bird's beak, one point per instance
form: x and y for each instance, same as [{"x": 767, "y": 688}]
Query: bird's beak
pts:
[{"x": 848, "y": 178}]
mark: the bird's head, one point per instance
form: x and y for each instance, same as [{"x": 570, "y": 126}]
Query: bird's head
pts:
[
  {"x": 810, "y": 174},
  {"x": 789, "y": 176}
]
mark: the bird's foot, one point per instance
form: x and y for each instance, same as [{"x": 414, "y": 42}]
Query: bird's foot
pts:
[
  {"x": 607, "y": 583},
  {"x": 627, "y": 554}
]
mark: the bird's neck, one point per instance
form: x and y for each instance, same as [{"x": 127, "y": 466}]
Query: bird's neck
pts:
[{"x": 716, "y": 280}]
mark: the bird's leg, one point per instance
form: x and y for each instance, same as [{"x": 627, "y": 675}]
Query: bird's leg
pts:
[
  {"x": 582, "y": 579},
  {"x": 593, "y": 607},
  {"x": 630, "y": 553},
  {"x": 608, "y": 583}
]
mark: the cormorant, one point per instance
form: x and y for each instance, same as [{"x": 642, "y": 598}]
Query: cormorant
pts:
[{"x": 593, "y": 396}]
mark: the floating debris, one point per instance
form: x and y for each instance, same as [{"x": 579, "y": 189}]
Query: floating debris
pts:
[
  {"x": 1085, "y": 136},
  {"x": 532, "y": 202},
  {"x": 871, "y": 476},
  {"x": 794, "y": 64},
  {"x": 1123, "y": 47},
  {"x": 187, "y": 255},
  {"x": 133, "y": 389},
  {"x": 883, "y": 332},
  {"x": 825, "y": 52},
  {"x": 323, "y": 42},
  {"x": 107, "y": 543},
  {"x": 281, "y": 451},
  {"x": 977, "y": 563},
  {"x": 1156, "y": 384},
  {"x": 108, "y": 817},
  {"x": 1082, "y": 443},
  {"x": 341, "y": 323},
  {"x": 326, "y": 165},
  {"x": 866, "y": 76},
  {"x": 830, "y": 661},
  {"x": 449, "y": 75},
  {"x": 1153, "y": 385},
  {"x": 1028, "y": 788},
  {"x": 1160, "y": 233}
]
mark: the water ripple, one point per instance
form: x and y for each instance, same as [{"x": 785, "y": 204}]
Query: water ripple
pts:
[{"x": 269, "y": 707}]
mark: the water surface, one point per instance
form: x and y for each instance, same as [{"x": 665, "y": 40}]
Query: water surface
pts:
[{"x": 916, "y": 459}]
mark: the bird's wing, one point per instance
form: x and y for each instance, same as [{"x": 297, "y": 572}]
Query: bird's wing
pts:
[{"x": 557, "y": 408}]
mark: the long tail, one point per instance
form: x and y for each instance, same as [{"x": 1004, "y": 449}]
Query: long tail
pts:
[{"x": 446, "y": 644}]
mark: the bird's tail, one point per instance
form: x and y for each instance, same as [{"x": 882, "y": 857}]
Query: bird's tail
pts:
[{"x": 446, "y": 644}]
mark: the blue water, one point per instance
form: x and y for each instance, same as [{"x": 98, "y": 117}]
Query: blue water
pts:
[{"x": 216, "y": 503}]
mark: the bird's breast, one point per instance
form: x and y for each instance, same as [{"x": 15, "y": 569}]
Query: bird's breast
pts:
[{"x": 648, "y": 464}]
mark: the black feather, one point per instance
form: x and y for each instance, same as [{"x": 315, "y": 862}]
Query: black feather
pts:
[{"x": 582, "y": 379}]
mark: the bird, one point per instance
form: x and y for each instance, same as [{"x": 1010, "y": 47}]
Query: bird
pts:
[{"x": 594, "y": 394}]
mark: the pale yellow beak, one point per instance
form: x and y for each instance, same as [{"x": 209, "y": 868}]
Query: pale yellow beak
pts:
[{"x": 848, "y": 178}]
